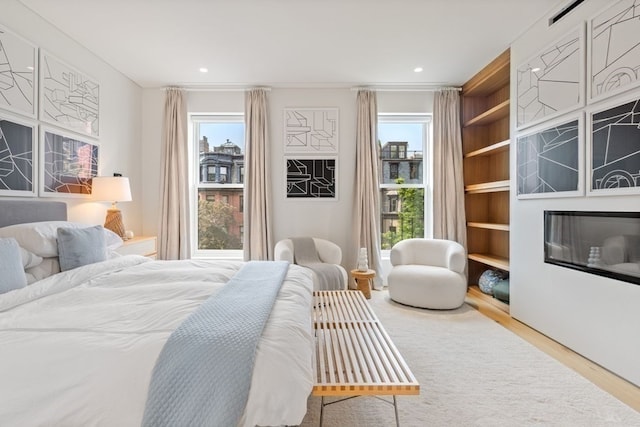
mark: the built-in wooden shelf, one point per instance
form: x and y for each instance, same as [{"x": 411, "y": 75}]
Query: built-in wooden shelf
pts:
[
  {"x": 474, "y": 290},
  {"x": 486, "y": 141},
  {"x": 493, "y": 260},
  {"x": 487, "y": 187},
  {"x": 489, "y": 226},
  {"x": 491, "y": 115},
  {"x": 490, "y": 149}
]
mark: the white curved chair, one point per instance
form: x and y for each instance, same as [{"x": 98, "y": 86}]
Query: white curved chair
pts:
[
  {"x": 328, "y": 252},
  {"x": 428, "y": 273}
]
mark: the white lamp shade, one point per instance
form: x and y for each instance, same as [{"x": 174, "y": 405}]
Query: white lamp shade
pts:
[{"x": 111, "y": 189}]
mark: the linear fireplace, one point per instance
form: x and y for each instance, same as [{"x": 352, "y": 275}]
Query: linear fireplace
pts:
[{"x": 603, "y": 243}]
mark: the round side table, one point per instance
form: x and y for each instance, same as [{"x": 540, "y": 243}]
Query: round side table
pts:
[{"x": 364, "y": 281}]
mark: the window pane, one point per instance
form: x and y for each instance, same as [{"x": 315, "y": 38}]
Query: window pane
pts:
[
  {"x": 220, "y": 166},
  {"x": 221, "y": 152},
  {"x": 402, "y": 192},
  {"x": 220, "y": 218},
  {"x": 404, "y": 217}
]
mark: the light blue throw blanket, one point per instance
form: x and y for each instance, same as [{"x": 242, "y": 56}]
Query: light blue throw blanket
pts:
[{"x": 203, "y": 374}]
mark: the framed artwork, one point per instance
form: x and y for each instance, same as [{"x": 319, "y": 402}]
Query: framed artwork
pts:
[
  {"x": 18, "y": 157},
  {"x": 549, "y": 159},
  {"x": 551, "y": 83},
  {"x": 311, "y": 130},
  {"x": 18, "y": 74},
  {"x": 68, "y": 98},
  {"x": 311, "y": 178},
  {"x": 614, "y": 38},
  {"x": 68, "y": 164},
  {"x": 614, "y": 147}
]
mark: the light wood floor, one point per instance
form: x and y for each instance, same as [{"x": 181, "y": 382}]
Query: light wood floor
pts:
[{"x": 611, "y": 383}]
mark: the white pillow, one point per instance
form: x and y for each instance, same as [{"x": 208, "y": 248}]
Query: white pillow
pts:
[
  {"x": 48, "y": 267},
  {"x": 29, "y": 259},
  {"x": 41, "y": 237}
]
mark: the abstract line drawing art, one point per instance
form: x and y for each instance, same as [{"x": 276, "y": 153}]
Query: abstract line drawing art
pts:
[
  {"x": 311, "y": 178},
  {"x": 17, "y": 158},
  {"x": 68, "y": 165},
  {"x": 551, "y": 82},
  {"x": 615, "y": 49},
  {"x": 615, "y": 149},
  {"x": 68, "y": 98},
  {"x": 311, "y": 130},
  {"x": 18, "y": 71},
  {"x": 549, "y": 161}
]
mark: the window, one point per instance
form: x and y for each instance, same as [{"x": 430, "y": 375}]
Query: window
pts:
[
  {"x": 404, "y": 147},
  {"x": 393, "y": 170},
  {"x": 218, "y": 141},
  {"x": 413, "y": 170},
  {"x": 393, "y": 203}
]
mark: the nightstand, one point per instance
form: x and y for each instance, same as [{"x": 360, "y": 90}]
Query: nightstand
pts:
[{"x": 142, "y": 245}]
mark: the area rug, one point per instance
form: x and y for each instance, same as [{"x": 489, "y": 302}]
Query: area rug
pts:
[{"x": 474, "y": 372}]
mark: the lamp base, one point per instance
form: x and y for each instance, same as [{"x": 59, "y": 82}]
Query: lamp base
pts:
[{"x": 114, "y": 223}]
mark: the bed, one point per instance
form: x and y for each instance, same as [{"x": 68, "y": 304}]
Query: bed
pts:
[{"x": 78, "y": 348}]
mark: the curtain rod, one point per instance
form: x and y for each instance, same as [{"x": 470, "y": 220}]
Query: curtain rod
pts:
[
  {"x": 221, "y": 88},
  {"x": 407, "y": 88},
  {"x": 378, "y": 88}
]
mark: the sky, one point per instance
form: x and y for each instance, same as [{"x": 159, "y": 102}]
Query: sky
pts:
[{"x": 218, "y": 133}]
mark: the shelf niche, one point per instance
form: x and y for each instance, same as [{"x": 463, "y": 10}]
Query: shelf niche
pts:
[{"x": 486, "y": 144}]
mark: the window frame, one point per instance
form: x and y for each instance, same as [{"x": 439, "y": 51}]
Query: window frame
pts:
[
  {"x": 194, "y": 119},
  {"x": 427, "y": 166}
]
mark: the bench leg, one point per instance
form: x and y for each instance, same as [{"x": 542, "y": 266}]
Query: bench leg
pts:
[
  {"x": 395, "y": 409},
  {"x": 395, "y": 406}
]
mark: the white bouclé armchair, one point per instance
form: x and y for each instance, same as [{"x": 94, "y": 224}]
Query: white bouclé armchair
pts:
[
  {"x": 328, "y": 252},
  {"x": 428, "y": 273}
]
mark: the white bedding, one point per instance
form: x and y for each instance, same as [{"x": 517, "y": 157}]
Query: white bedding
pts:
[{"x": 78, "y": 348}]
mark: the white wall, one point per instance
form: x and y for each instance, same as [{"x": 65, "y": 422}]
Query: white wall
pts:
[
  {"x": 120, "y": 112},
  {"x": 330, "y": 219},
  {"x": 595, "y": 316}
]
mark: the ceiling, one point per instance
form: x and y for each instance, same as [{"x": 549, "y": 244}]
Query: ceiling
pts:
[{"x": 288, "y": 43}]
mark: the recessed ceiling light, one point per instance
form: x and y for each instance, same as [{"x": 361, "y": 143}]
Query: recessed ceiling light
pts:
[
  {"x": 535, "y": 70},
  {"x": 204, "y": 70},
  {"x": 417, "y": 70},
  {"x": 30, "y": 68}
]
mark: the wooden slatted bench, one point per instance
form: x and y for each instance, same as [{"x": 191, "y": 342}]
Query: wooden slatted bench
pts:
[{"x": 354, "y": 355}]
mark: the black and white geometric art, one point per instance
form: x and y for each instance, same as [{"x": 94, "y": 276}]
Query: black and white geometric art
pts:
[
  {"x": 615, "y": 49},
  {"x": 68, "y": 98},
  {"x": 615, "y": 149},
  {"x": 18, "y": 74},
  {"x": 549, "y": 161},
  {"x": 67, "y": 166},
  {"x": 551, "y": 82},
  {"x": 311, "y": 178},
  {"x": 311, "y": 130},
  {"x": 18, "y": 156}
]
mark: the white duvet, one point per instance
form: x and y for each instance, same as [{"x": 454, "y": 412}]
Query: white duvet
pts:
[{"x": 78, "y": 348}]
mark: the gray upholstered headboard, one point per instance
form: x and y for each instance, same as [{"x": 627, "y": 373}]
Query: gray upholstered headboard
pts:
[{"x": 21, "y": 211}]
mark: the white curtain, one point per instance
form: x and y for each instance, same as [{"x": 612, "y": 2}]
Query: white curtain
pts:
[
  {"x": 448, "y": 186},
  {"x": 173, "y": 235},
  {"x": 258, "y": 235},
  {"x": 366, "y": 224}
]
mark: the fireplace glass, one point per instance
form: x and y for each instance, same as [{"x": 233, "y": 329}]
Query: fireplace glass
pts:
[{"x": 603, "y": 243}]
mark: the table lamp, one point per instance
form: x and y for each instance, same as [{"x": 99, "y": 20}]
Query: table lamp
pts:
[{"x": 112, "y": 189}]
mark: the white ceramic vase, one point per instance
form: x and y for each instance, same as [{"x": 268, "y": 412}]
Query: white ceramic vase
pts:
[{"x": 363, "y": 263}]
